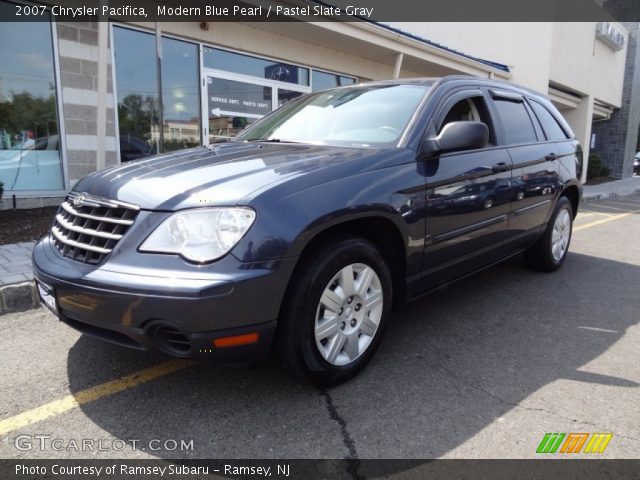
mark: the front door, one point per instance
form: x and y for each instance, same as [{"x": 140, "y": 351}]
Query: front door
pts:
[
  {"x": 232, "y": 102},
  {"x": 468, "y": 197}
]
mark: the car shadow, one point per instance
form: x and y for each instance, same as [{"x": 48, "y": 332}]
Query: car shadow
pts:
[{"x": 452, "y": 363}]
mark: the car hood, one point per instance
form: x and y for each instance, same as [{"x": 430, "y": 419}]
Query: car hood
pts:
[{"x": 223, "y": 174}]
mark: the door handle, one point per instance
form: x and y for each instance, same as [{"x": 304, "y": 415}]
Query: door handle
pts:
[
  {"x": 551, "y": 157},
  {"x": 500, "y": 167}
]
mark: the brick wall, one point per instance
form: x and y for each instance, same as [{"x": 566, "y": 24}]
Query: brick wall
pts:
[
  {"x": 616, "y": 138},
  {"x": 78, "y": 53}
]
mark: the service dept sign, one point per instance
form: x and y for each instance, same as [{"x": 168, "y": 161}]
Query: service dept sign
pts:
[{"x": 238, "y": 97}]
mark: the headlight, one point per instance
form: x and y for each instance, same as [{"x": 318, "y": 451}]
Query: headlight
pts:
[{"x": 200, "y": 235}]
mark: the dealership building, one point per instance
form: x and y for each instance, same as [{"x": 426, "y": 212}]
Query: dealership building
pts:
[{"x": 76, "y": 97}]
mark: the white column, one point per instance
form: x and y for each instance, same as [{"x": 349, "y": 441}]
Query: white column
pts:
[
  {"x": 580, "y": 120},
  {"x": 398, "y": 66},
  {"x": 101, "y": 110}
]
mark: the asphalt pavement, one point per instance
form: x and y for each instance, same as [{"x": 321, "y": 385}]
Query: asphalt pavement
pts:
[{"x": 481, "y": 369}]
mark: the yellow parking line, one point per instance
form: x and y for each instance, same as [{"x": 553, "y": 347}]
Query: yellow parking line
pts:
[
  {"x": 57, "y": 407},
  {"x": 604, "y": 220}
]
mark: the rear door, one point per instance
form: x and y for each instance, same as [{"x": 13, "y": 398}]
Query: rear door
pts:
[
  {"x": 535, "y": 179},
  {"x": 468, "y": 195}
]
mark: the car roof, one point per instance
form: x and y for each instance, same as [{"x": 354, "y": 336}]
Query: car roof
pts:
[{"x": 438, "y": 81}]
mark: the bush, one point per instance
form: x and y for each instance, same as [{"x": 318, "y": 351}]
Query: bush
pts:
[
  {"x": 596, "y": 167},
  {"x": 1, "y": 189}
]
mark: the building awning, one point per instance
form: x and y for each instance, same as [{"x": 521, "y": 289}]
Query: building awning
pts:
[
  {"x": 495, "y": 65},
  {"x": 383, "y": 44}
]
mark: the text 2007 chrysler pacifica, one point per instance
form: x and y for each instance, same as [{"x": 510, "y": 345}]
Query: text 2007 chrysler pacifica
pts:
[{"x": 311, "y": 225}]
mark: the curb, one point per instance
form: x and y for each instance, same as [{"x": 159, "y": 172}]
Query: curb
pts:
[
  {"x": 18, "y": 297},
  {"x": 602, "y": 196}
]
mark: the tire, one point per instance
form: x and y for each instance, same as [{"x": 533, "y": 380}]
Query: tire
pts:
[
  {"x": 542, "y": 255},
  {"x": 318, "y": 341}
]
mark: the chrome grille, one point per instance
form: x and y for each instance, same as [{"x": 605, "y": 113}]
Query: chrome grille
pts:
[{"x": 87, "y": 227}]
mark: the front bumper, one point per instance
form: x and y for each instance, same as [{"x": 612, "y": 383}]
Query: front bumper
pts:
[{"x": 183, "y": 312}]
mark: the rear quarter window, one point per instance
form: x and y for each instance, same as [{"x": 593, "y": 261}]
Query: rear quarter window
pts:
[
  {"x": 552, "y": 129},
  {"x": 518, "y": 127}
]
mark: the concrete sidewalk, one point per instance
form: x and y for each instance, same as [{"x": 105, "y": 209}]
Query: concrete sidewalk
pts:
[
  {"x": 626, "y": 186},
  {"x": 18, "y": 292}
]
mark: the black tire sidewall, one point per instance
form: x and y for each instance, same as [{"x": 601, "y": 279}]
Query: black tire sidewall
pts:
[
  {"x": 563, "y": 204},
  {"x": 328, "y": 263}
]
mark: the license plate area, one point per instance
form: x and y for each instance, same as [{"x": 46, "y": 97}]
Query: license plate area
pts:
[{"x": 47, "y": 296}]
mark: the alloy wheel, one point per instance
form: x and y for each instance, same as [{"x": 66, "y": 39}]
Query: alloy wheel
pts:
[
  {"x": 348, "y": 314},
  {"x": 561, "y": 235}
]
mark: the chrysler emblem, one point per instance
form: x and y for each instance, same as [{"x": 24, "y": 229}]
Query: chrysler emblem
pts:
[{"x": 79, "y": 200}]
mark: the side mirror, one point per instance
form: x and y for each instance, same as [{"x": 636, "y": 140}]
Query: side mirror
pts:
[{"x": 456, "y": 136}]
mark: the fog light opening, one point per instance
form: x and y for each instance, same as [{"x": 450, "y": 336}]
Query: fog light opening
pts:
[{"x": 170, "y": 340}]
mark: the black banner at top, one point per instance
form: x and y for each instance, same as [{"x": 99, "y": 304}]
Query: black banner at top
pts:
[{"x": 322, "y": 10}]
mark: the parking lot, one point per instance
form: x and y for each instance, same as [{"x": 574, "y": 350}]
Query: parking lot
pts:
[{"x": 481, "y": 369}]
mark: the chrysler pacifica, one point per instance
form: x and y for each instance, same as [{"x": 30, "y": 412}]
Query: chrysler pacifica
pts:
[{"x": 305, "y": 231}]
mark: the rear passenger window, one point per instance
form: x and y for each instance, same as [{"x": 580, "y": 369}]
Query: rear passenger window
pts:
[
  {"x": 551, "y": 127},
  {"x": 518, "y": 127}
]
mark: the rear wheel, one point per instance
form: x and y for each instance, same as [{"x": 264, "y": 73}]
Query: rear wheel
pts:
[
  {"x": 549, "y": 252},
  {"x": 336, "y": 311}
]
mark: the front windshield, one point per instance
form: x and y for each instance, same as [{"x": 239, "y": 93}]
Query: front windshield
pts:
[{"x": 359, "y": 116}]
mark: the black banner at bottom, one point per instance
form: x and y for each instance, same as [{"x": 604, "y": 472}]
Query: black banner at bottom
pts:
[{"x": 585, "y": 469}]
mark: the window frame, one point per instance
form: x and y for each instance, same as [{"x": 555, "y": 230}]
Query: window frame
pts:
[
  {"x": 453, "y": 97},
  {"x": 513, "y": 97}
]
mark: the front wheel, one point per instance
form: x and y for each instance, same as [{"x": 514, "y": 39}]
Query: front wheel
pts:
[
  {"x": 336, "y": 311},
  {"x": 549, "y": 252}
]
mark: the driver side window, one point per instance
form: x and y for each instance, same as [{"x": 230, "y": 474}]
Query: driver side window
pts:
[{"x": 471, "y": 109}]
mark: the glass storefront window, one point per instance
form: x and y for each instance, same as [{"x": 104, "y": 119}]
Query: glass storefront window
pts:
[
  {"x": 255, "y": 67},
  {"x": 164, "y": 114},
  {"x": 323, "y": 80},
  {"x": 141, "y": 109},
  {"x": 137, "y": 92},
  {"x": 30, "y": 156},
  {"x": 180, "y": 95}
]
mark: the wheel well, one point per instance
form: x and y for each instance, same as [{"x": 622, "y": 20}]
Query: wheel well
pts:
[
  {"x": 573, "y": 195},
  {"x": 383, "y": 233}
]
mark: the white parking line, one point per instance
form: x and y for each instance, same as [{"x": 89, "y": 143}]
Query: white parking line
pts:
[
  {"x": 624, "y": 203},
  {"x": 591, "y": 212},
  {"x": 600, "y": 205}
]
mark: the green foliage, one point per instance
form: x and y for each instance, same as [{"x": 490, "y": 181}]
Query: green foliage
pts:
[
  {"x": 596, "y": 167},
  {"x": 136, "y": 114},
  {"x": 1, "y": 189},
  {"x": 23, "y": 111},
  {"x": 178, "y": 144}
]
